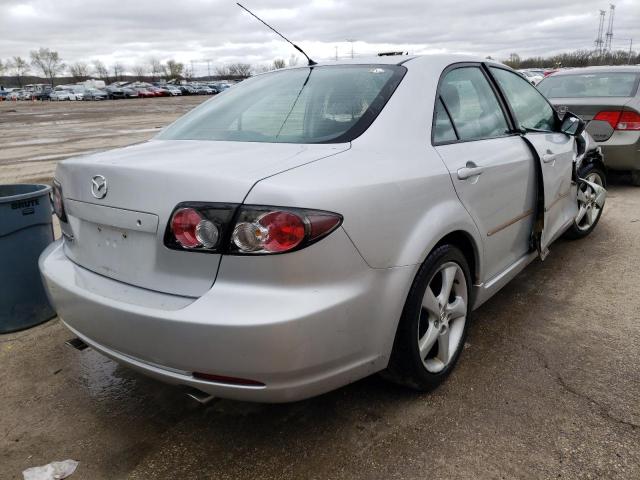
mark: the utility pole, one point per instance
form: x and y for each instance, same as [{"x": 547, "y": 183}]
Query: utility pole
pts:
[
  {"x": 630, "y": 50},
  {"x": 208, "y": 60},
  {"x": 336, "y": 47},
  {"x": 599, "y": 42},
  {"x": 193, "y": 74},
  {"x": 351, "y": 41},
  {"x": 609, "y": 34}
]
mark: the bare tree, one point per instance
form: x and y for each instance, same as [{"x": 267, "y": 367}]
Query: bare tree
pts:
[
  {"x": 188, "y": 72},
  {"x": 118, "y": 70},
  {"x": 156, "y": 68},
  {"x": 19, "y": 67},
  {"x": 79, "y": 71},
  {"x": 101, "y": 70},
  {"x": 262, "y": 68},
  {"x": 4, "y": 66},
  {"x": 139, "y": 71},
  {"x": 222, "y": 71},
  {"x": 293, "y": 60},
  {"x": 48, "y": 61},
  {"x": 240, "y": 69},
  {"x": 173, "y": 69},
  {"x": 279, "y": 63}
]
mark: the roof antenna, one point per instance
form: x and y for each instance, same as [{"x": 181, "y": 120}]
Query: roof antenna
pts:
[{"x": 311, "y": 62}]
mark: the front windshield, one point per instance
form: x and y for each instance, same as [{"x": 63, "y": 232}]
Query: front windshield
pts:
[
  {"x": 328, "y": 104},
  {"x": 601, "y": 84}
]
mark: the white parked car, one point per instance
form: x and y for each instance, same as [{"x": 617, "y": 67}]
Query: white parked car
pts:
[
  {"x": 315, "y": 225},
  {"x": 173, "y": 90},
  {"x": 62, "y": 95},
  {"x": 533, "y": 77}
]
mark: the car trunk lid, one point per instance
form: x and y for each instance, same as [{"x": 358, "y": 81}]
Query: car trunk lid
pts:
[{"x": 121, "y": 235}]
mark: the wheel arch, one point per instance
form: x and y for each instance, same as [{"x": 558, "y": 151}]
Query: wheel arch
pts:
[{"x": 467, "y": 245}]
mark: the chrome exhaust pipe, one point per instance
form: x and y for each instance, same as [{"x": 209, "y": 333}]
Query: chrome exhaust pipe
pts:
[
  {"x": 199, "y": 396},
  {"x": 76, "y": 343}
]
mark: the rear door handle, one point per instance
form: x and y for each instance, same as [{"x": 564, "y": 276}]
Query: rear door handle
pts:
[
  {"x": 469, "y": 171},
  {"x": 548, "y": 158}
]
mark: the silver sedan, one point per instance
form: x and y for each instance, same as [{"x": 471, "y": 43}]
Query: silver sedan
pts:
[{"x": 315, "y": 225}]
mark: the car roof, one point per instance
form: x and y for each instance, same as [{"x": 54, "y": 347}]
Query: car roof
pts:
[
  {"x": 435, "y": 59},
  {"x": 598, "y": 69}
]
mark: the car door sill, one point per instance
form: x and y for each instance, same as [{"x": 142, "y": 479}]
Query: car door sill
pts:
[{"x": 486, "y": 290}]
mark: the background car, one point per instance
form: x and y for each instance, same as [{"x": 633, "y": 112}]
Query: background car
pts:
[
  {"x": 144, "y": 92},
  {"x": 533, "y": 77},
  {"x": 115, "y": 92},
  {"x": 129, "y": 92},
  {"x": 608, "y": 99},
  {"x": 173, "y": 90},
  {"x": 158, "y": 91},
  {"x": 94, "y": 94},
  {"x": 58, "y": 95}
]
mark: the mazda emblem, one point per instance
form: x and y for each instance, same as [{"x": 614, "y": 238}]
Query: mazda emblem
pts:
[{"x": 98, "y": 186}]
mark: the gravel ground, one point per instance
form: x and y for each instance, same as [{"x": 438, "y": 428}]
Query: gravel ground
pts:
[{"x": 547, "y": 386}]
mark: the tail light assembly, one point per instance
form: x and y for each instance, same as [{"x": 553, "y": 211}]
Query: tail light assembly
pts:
[
  {"x": 57, "y": 201},
  {"x": 246, "y": 229},
  {"x": 620, "y": 120}
]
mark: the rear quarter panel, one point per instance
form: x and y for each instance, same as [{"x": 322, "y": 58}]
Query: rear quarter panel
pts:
[{"x": 392, "y": 188}]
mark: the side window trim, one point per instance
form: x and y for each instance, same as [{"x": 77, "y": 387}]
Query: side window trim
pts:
[
  {"x": 446, "y": 110},
  {"x": 503, "y": 97},
  {"x": 504, "y": 107}
]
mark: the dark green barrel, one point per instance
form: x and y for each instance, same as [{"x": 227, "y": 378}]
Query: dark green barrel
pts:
[{"x": 25, "y": 231}]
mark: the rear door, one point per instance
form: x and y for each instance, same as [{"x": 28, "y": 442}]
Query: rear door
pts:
[
  {"x": 534, "y": 115},
  {"x": 492, "y": 170}
]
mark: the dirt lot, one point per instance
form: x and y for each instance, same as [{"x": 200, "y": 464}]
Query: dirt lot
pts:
[
  {"x": 547, "y": 387},
  {"x": 37, "y": 135}
]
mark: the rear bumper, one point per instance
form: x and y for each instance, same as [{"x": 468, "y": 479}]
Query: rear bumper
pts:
[
  {"x": 622, "y": 151},
  {"x": 298, "y": 339}
]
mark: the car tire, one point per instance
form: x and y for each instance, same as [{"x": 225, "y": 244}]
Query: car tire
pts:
[
  {"x": 585, "y": 223},
  {"x": 635, "y": 178},
  {"x": 417, "y": 356}
]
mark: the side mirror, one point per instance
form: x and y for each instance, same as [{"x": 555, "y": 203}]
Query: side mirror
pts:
[{"x": 572, "y": 125}]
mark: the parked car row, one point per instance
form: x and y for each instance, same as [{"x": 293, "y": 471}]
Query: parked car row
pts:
[{"x": 115, "y": 91}]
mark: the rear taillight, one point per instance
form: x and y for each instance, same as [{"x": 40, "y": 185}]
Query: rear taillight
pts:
[
  {"x": 629, "y": 121},
  {"x": 57, "y": 201},
  {"x": 192, "y": 230},
  {"x": 246, "y": 229},
  {"x": 620, "y": 120}
]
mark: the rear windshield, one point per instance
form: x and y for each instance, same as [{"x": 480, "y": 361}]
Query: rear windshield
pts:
[
  {"x": 327, "y": 104},
  {"x": 601, "y": 84}
]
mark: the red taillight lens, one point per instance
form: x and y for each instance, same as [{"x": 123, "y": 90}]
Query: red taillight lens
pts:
[
  {"x": 620, "y": 120},
  {"x": 610, "y": 117},
  {"x": 191, "y": 230},
  {"x": 629, "y": 121},
  {"x": 285, "y": 231},
  {"x": 57, "y": 201},
  {"x": 265, "y": 230},
  {"x": 183, "y": 224}
]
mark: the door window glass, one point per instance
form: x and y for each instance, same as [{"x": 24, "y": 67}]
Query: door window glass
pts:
[
  {"x": 528, "y": 105},
  {"x": 473, "y": 106},
  {"x": 442, "y": 128}
]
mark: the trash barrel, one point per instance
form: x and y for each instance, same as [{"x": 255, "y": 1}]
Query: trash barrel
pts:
[{"x": 25, "y": 230}]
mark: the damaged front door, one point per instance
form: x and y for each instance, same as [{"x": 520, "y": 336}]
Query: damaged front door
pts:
[{"x": 556, "y": 152}]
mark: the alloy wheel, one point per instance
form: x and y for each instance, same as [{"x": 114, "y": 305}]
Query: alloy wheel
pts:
[
  {"x": 443, "y": 317},
  {"x": 588, "y": 208}
]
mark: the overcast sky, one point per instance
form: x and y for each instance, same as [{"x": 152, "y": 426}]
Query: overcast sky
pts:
[{"x": 131, "y": 31}]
